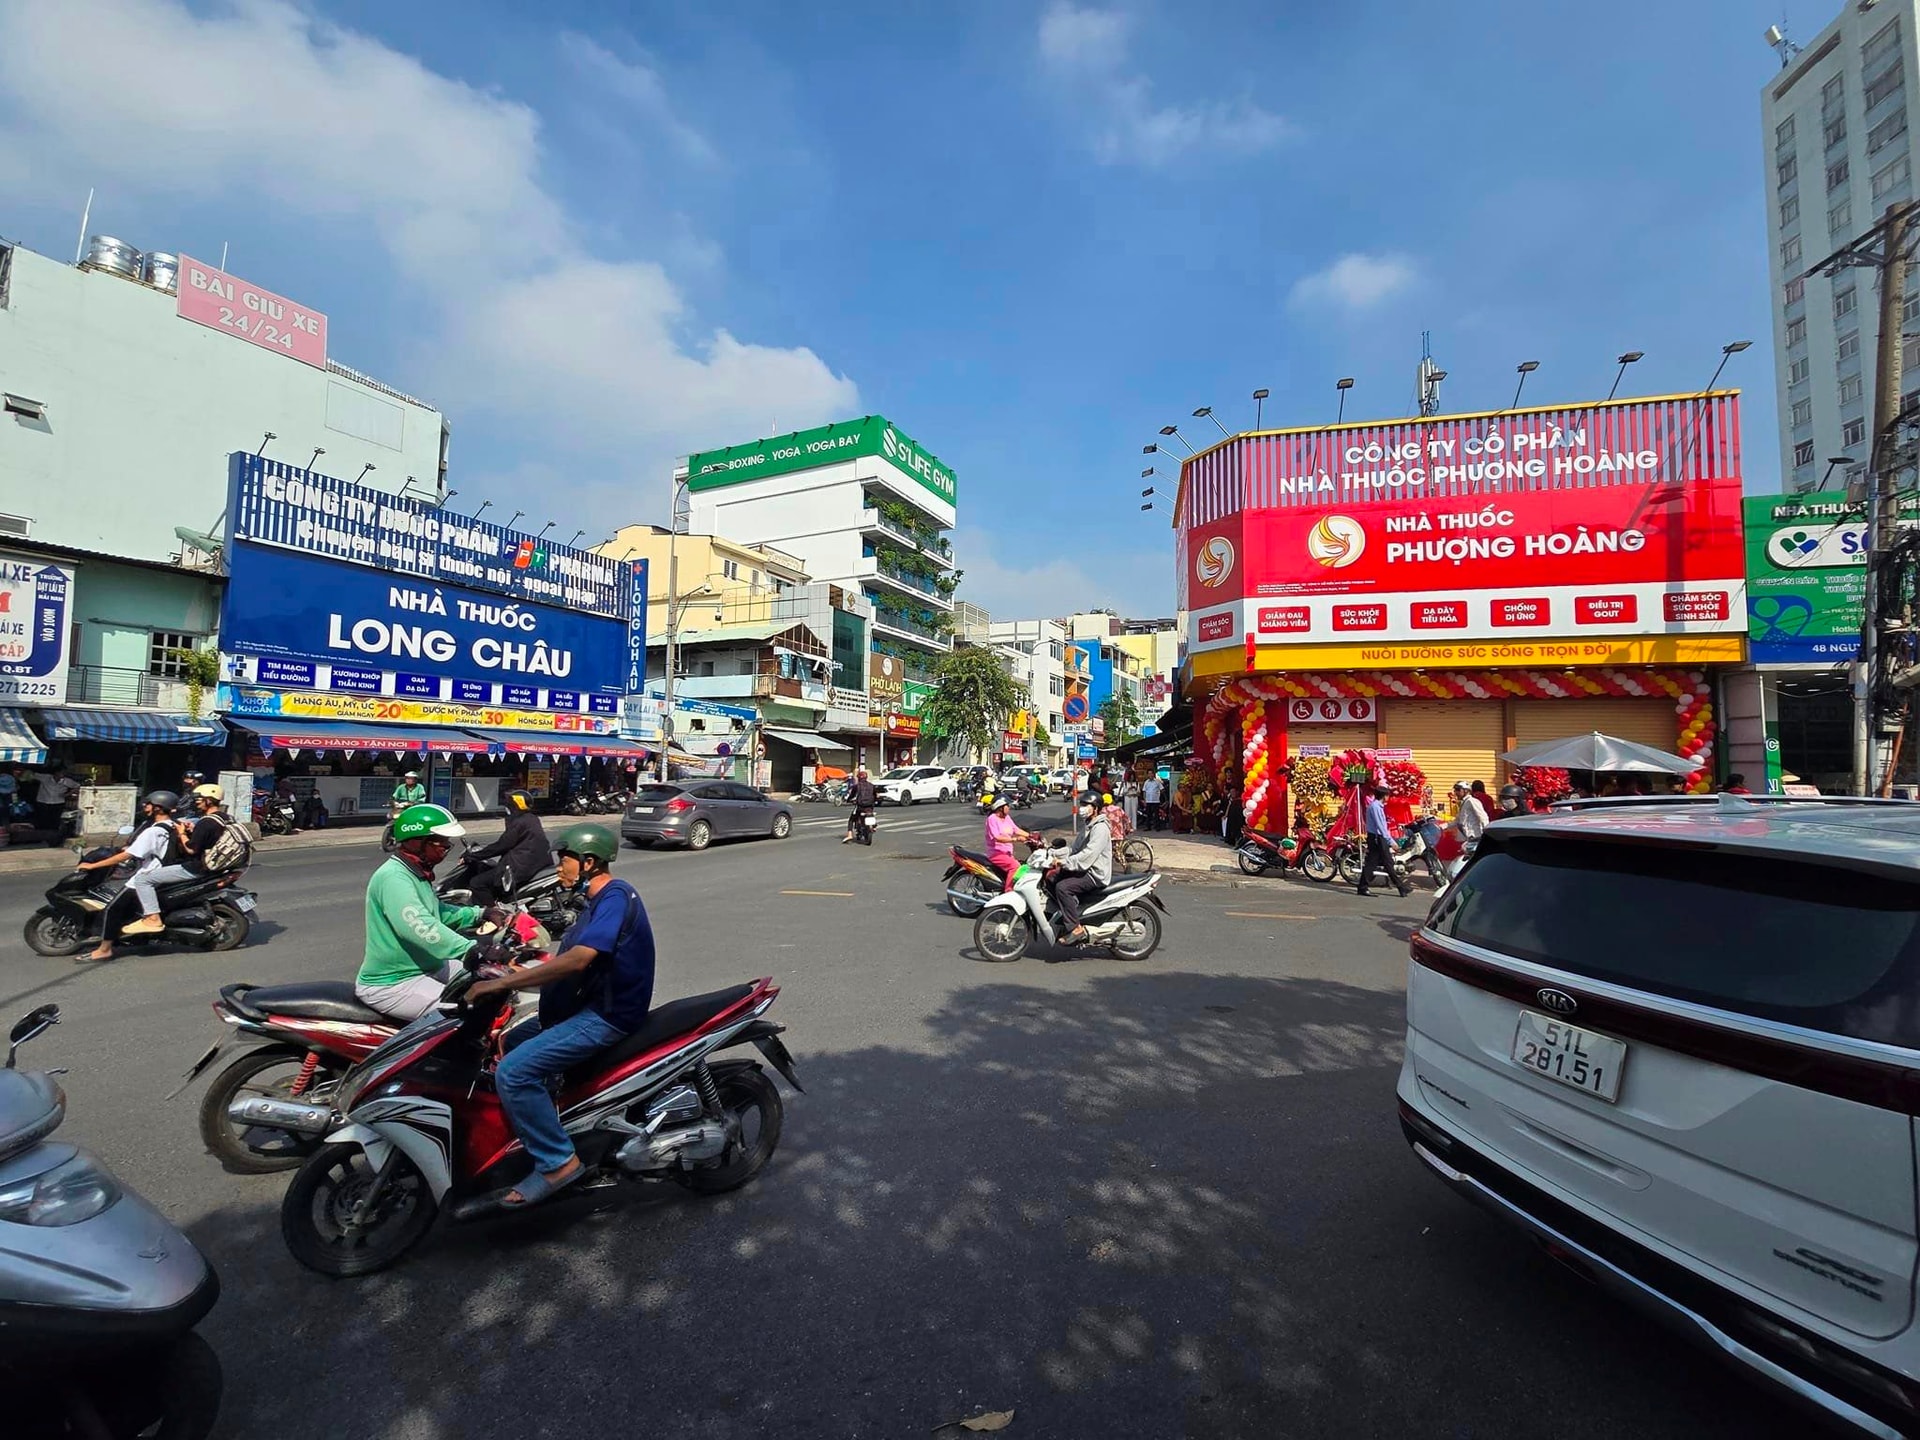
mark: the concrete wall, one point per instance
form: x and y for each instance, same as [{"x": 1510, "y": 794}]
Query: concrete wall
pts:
[
  {"x": 117, "y": 606},
  {"x": 143, "y": 407}
]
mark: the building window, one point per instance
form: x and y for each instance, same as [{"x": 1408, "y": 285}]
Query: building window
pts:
[
  {"x": 1844, "y": 302},
  {"x": 1796, "y": 289},
  {"x": 1790, "y": 250},
  {"x": 1783, "y": 133},
  {"x": 163, "y": 652},
  {"x": 1802, "y": 414},
  {"x": 1896, "y": 174},
  {"x": 1056, "y": 685},
  {"x": 1850, "y": 386},
  {"x": 1797, "y": 372},
  {"x": 1837, "y": 174},
  {"x": 1833, "y": 92},
  {"x": 1881, "y": 45},
  {"x": 1849, "y": 346},
  {"x": 1910, "y": 309},
  {"x": 730, "y": 569},
  {"x": 1853, "y": 432},
  {"x": 1797, "y": 331},
  {"x": 1887, "y": 83},
  {"x": 1834, "y": 132},
  {"x": 1789, "y": 210},
  {"x": 1886, "y": 132},
  {"x": 1788, "y": 170},
  {"x": 1803, "y": 453},
  {"x": 1840, "y": 217}
]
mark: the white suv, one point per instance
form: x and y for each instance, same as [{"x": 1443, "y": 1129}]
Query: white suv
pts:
[
  {"x": 910, "y": 784},
  {"x": 1679, "y": 1044}
]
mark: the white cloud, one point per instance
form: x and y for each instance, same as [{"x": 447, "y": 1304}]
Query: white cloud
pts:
[
  {"x": 264, "y": 104},
  {"x": 1137, "y": 583},
  {"x": 638, "y": 84},
  {"x": 1086, "y": 50},
  {"x": 1354, "y": 282}
]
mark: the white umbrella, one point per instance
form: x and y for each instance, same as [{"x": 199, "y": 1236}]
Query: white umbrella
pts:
[{"x": 1595, "y": 751}]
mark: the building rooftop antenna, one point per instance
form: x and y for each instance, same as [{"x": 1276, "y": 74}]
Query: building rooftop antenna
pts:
[
  {"x": 1427, "y": 377},
  {"x": 1776, "y": 36}
]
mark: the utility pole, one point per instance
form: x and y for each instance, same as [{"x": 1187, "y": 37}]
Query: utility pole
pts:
[
  {"x": 1883, "y": 505},
  {"x": 673, "y": 620}
]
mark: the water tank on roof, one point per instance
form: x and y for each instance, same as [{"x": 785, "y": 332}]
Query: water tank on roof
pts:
[
  {"x": 161, "y": 271},
  {"x": 116, "y": 256}
]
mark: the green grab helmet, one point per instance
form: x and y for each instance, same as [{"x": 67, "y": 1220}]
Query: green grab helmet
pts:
[
  {"x": 584, "y": 840},
  {"x": 416, "y": 822}
]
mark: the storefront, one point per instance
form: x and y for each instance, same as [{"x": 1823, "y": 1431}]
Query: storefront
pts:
[
  {"x": 1439, "y": 591},
  {"x": 365, "y": 635}
]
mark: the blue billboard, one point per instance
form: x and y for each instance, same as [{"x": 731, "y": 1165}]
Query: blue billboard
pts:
[{"x": 294, "y": 622}]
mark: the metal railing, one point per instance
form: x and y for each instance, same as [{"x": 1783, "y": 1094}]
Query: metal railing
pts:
[
  {"x": 912, "y": 627},
  {"x": 123, "y": 685}
]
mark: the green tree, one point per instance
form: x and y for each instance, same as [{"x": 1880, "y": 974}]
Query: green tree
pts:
[
  {"x": 973, "y": 698},
  {"x": 1122, "y": 716}
]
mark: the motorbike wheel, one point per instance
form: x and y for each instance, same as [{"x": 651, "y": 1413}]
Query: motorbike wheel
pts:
[
  {"x": 1318, "y": 865},
  {"x": 51, "y": 933},
  {"x": 1350, "y": 866},
  {"x": 245, "y": 1076},
  {"x": 1253, "y": 860},
  {"x": 171, "y": 1392},
  {"x": 1139, "y": 933},
  {"x": 1002, "y": 936},
  {"x": 754, "y": 1103},
  {"x": 969, "y": 893},
  {"x": 1136, "y": 857},
  {"x": 231, "y": 926},
  {"x": 319, "y": 1203}
]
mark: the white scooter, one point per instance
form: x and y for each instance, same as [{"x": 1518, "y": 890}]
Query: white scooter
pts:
[{"x": 1121, "y": 917}]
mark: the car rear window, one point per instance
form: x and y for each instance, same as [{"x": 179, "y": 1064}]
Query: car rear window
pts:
[
  {"x": 655, "y": 794},
  {"x": 1814, "y": 945}
]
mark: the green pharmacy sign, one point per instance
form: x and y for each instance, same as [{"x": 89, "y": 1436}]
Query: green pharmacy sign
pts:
[
  {"x": 1806, "y": 577},
  {"x": 826, "y": 445}
]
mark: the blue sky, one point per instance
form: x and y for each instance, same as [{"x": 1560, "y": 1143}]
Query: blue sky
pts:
[{"x": 1030, "y": 234}]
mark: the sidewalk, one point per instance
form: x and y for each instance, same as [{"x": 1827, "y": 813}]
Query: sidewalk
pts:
[
  {"x": 1206, "y": 857},
  {"x": 26, "y": 859}
]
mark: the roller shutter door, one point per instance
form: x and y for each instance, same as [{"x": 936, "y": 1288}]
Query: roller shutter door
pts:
[
  {"x": 1335, "y": 737},
  {"x": 1450, "y": 739},
  {"x": 1648, "y": 722}
]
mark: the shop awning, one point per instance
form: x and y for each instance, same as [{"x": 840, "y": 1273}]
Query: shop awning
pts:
[
  {"x": 1152, "y": 745},
  {"x": 549, "y": 742},
  {"x": 357, "y": 735},
  {"x": 18, "y": 744},
  {"x": 133, "y": 727},
  {"x": 806, "y": 739}
]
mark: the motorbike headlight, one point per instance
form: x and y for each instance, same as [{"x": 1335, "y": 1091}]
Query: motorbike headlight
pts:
[{"x": 76, "y": 1190}]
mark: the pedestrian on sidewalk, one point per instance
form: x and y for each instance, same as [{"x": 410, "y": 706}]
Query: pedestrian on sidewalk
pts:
[
  {"x": 1130, "y": 800},
  {"x": 1379, "y": 849},
  {"x": 1150, "y": 802}
]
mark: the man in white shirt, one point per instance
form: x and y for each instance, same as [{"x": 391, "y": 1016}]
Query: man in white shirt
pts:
[
  {"x": 56, "y": 788},
  {"x": 1150, "y": 800},
  {"x": 148, "y": 849},
  {"x": 1469, "y": 824}
]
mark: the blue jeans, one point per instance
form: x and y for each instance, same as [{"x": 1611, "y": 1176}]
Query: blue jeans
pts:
[{"x": 520, "y": 1080}]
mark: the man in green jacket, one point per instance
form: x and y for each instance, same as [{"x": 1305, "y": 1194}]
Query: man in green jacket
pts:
[{"x": 412, "y": 944}]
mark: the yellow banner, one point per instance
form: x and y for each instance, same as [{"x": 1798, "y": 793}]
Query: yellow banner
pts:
[
  {"x": 1480, "y": 654},
  {"x": 251, "y": 704}
]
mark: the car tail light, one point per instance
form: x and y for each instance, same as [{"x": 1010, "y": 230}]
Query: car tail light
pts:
[{"x": 679, "y": 802}]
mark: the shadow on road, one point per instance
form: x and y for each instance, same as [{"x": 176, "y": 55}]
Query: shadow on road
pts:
[{"x": 1154, "y": 1205}]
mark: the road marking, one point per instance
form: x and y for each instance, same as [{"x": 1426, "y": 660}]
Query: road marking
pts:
[
  {"x": 1266, "y": 915},
  {"x": 832, "y": 894}
]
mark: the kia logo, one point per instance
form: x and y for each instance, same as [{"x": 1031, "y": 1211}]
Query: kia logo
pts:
[{"x": 1558, "y": 1001}]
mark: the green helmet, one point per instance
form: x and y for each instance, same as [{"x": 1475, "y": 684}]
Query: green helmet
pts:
[
  {"x": 416, "y": 822},
  {"x": 584, "y": 840}
]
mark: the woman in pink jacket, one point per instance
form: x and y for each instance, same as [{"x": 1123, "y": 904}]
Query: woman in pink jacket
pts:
[{"x": 1002, "y": 831}]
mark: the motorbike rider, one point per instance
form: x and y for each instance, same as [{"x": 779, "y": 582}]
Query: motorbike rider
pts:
[
  {"x": 1002, "y": 831},
  {"x": 1088, "y": 866},
  {"x": 863, "y": 797},
  {"x": 522, "y": 851},
  {"x": 150, "y": 848},
  {"x": 608, "y": 957},
  {"x": 408, "y": 792},
  {"x": 412, "y": 940},
  {"x": 1513, "y": 800}
]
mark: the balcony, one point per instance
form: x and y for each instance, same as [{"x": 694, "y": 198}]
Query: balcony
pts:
[
  {"x": 904, "y": 627},
  {"x": 877, "y": 571},
  {"x": 877, "y": 522},
  {"x": 135, "y": 689}
]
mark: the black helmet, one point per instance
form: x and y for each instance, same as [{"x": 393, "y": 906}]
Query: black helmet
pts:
[
  {"x": 1516, "y": 793},
  {"x": 518, "y": 800},
  {"x": 161, "y": 800}
]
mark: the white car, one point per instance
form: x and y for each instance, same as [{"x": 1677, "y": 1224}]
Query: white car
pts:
[
  {"x": 910, "y": 784},
  {"x": 1677, "y": 1043}
]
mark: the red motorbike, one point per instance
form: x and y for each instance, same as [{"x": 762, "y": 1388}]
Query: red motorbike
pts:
[
  {"x": 312, "y": 1034},
  {"x": 1262, "y": 850},
  {"x": 416, "y": 1127}
]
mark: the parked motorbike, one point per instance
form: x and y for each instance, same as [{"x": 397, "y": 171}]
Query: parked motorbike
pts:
[
  {"x": 99, "y": 1293},
  {"x": 275, "y": 814},
  {"x": 1350, "y": 853},
  {"x": 1263, "y": 850},
  {"x": 971, "y": 880},
  {"x": 212, "y": 912},
  {"x": 1121, "y": 917},
  {"x": 416, "y": 1128}
]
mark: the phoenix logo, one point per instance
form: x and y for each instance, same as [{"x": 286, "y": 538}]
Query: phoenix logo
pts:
[
  {"x": 1337, "y": 541},
  {"x": 1213, "y": 563}
]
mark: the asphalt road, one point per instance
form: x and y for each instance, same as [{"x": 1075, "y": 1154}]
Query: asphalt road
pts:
[{"x": 1145, "y": 1200}]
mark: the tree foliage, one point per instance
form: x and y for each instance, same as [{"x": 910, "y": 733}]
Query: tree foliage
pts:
[
  {"x": 973, "y": 698},
  {"x": 1122, "y": 716}
]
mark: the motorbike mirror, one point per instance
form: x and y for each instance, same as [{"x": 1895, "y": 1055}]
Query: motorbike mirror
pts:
[{"x": 28, "y": 1026}]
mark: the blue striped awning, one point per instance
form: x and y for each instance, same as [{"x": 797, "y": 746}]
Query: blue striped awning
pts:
[
  {"x": 18, "y": 744},
  {"x": 133, "y": 727}
]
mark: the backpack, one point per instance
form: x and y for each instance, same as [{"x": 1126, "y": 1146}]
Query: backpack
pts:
[{"x": 232, "y": 851}]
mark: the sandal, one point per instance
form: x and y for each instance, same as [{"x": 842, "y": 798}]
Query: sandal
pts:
[
  {"x": 537, "y": 1187},
  {"x": 98, "y": 955}
]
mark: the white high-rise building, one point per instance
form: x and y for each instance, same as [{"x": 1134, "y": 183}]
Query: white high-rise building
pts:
[{"x": 1838, "y": 130}]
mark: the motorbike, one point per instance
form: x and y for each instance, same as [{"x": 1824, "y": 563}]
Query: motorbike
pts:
[
  {"x": 211, "y": 912},
  {"x": 1350, "y": 853},
  {"x": 275, "y": 815},
  {"x": 541, "y": 894},
  {"x": 864, "y": 824},
  {"x": 971, "y": 880},
  {"x": 415, "y": 1128},
  {"x": 100, "y": 1293},
  {"x": 1264, "y": 850},
  {"x": 1121, "y": 917}
]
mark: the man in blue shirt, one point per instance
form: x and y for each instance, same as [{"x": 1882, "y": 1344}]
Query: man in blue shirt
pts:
[
  {"x": 608, "y": 957},
  {"x": 1379, "y": 844}
]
